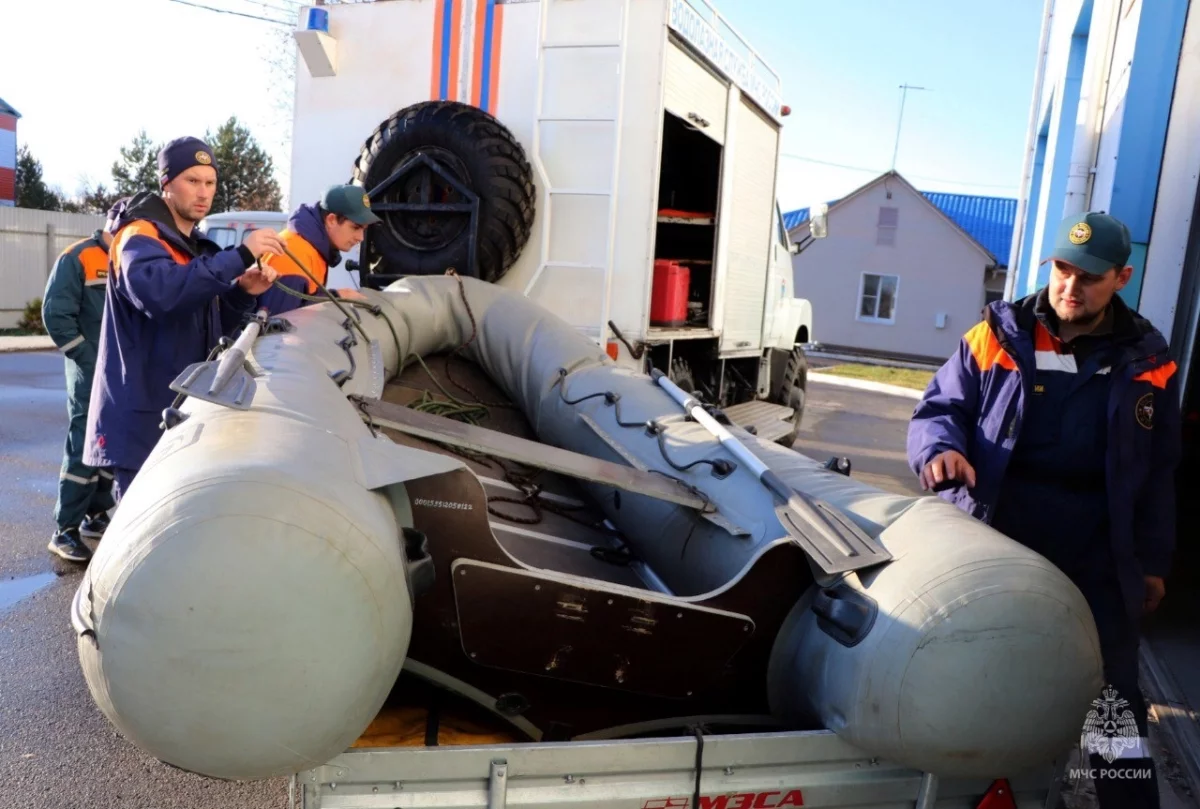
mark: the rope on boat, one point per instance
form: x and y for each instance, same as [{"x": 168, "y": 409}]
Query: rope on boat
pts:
[{"x": 471, "y": 413}]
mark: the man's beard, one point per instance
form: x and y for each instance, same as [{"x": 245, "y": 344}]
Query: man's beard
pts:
[
  {"x": 183, "y": 214},
  {"x": 1078, "y": 318}
]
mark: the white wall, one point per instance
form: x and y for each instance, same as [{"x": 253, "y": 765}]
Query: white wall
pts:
[
  {"x": 30, "y": 242},
  {"x": 940, "y": 270}
]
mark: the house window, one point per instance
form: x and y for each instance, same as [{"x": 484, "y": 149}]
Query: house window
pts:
[
  {"x": 889, "y": 220},
  {"x": 877, "y": 298}
]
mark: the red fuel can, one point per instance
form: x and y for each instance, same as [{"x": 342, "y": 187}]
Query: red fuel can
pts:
[{"x": 669, "y": 294}]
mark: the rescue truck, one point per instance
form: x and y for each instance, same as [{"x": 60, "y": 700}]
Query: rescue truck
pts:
[
  {"x": 615, "y": 161},
  {"x": 621, "y": 176}
]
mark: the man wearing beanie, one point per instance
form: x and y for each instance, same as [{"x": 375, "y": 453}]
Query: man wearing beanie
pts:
[
  {"x": 317, "y": 235},
  {"x": 1057, "y": 422},
  {"x": 172, "y": 294}
]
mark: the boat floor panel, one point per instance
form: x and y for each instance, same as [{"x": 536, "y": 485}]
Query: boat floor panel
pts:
[{"x": 545, "y": 538}]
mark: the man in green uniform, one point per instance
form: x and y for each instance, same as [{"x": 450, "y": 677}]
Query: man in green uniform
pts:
[{"x": 72, "y": 309}]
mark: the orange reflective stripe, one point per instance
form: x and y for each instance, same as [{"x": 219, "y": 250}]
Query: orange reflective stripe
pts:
[
  {"x": 95, "y": 265},
  {"x": 1158, "y": 377},
  {"x": 140, "y": 227},
  {"x": 986, "y": 349},
  {"x": 1043, "y": 340},
  {"x": 304, "y": 251}
]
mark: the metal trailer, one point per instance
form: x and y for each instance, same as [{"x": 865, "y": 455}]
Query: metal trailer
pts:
[
  {"x": 626, "y": 110},
  {"x": 744, "y": 771}
]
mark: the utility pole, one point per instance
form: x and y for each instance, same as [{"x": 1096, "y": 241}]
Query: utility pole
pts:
[{"x": 904, "y": 88}]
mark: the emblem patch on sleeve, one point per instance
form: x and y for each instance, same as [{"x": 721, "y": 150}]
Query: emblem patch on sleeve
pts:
[{"x": 1143, "y": 411}]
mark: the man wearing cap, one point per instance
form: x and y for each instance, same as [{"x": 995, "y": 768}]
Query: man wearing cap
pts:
[
  {"x": 72, "y": 308},
  {"x": 172, "y": 294},
  {"x": 1057, "y": 422},
  {"x": 317, "y": 235}
]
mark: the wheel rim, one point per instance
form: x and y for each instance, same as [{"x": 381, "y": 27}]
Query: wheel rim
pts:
[{"x": 427, "y": 231}]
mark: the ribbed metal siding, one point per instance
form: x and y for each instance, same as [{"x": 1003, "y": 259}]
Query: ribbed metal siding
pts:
[
  {"x": 8, "y": 156},
  {"x": 25, "y": 257},
  {"x": 988, "y": 220}
]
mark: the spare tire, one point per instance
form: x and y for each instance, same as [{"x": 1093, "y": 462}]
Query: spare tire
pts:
[{"x": 482, "y": 155}]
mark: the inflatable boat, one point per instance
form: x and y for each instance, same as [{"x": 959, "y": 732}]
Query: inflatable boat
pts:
[{"x": 444, "y": 479}]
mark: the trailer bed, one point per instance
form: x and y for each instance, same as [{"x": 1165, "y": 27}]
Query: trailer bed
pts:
[{"x": 744, "y": 771}]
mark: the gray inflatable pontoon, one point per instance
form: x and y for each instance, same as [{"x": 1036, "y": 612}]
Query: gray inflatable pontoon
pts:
[{"x": 281, "y": 555}]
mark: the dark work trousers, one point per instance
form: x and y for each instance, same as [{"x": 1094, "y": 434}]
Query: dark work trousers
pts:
[
  {"x": 122, "y": 479},
  {"x": 1124, "y": 774},
  {"x": 1053, "y": 500},
  {"x": 82, "y": 490}
]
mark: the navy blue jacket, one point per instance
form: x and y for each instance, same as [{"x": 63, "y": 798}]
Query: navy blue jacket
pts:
[
  {"x": 976, "y": 403},
  {"x": 306, "y": 237},
  {"x": 170, "y": 298}
]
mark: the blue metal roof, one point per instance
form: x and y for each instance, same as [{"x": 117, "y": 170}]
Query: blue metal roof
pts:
[
  {"x": 987, "y": 220},
  {"x": 7, "y": 110},
  {"x": 793, "y": 219}
]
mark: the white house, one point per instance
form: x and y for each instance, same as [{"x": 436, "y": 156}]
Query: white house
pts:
[{"x": 902, "y": 272}]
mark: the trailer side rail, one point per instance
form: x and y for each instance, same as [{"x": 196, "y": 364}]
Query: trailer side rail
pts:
[{"x": 745, "y": 771}]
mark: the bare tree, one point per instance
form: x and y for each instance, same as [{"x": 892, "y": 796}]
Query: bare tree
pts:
[{"x": 279, "y": 53}]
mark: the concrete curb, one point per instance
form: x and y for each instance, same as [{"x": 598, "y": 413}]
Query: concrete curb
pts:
[
  {"x": 862, "y": 359},
  {"x": 863, "y": 384},
  {"x": 36, "y": 343}
]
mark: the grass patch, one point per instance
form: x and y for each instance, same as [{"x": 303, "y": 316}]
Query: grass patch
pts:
[
  {"x": 903, "y": 377},
  {"x": 18, "y": 333}
]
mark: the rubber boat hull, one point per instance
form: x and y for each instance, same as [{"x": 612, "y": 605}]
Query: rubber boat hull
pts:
[{"x": 252, "y": 603}]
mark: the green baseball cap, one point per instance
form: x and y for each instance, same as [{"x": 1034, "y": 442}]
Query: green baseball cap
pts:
[
  {"x": 351, "y": 202},
  {"x": 1095, "y": 242}
]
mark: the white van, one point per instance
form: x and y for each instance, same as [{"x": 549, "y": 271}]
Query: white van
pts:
[{"x": 232, "y": 227}]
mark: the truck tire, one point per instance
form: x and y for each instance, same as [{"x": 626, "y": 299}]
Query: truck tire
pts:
[
  {"x": 792, "y": 390},
  {"x": 482, "y": 155}
]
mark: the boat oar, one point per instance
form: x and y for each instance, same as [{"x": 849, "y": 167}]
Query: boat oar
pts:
[{"x": 832, "y": 541}]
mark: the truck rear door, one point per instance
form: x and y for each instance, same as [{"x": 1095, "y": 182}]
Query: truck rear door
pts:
[{"x": 752, "y": 157}]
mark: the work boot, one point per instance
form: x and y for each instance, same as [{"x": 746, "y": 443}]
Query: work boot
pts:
[
  {"x": 94, "y": 525},
  {"x": 67, "y": 544}
]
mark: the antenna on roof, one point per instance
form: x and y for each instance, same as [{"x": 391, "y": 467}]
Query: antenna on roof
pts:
[{"x": 904, "y": 88}]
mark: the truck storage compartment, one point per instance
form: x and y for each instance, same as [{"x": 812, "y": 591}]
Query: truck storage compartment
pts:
[{"x": 686, "y": 228}]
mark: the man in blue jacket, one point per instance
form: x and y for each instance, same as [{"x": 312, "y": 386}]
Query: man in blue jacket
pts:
[
  {"x": 317, "y": 235},
  {"x": 1057, "y": 422},
  {"x": 172, "y": 294}
]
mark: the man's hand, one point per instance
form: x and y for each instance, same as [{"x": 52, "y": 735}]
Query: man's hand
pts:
[
  {"x": 949, "y": 465},
  {"x": 255, "y": 281},
  {"x": 1155, "y": 590},
  {"x": 263, "y": 240}
]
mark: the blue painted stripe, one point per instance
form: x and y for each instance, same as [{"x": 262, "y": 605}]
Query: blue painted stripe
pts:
[
  {"x": 485, "y": 79},
  {"x": 447, "y": 21}
]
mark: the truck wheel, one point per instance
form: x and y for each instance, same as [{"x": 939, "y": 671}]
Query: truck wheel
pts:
[
  {"x": 793, "y": 387},
  {"x": 481, "y": 154}
]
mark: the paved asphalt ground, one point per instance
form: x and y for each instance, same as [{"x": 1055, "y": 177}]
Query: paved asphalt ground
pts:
[{"x": 56, "y": 749}]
